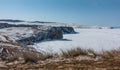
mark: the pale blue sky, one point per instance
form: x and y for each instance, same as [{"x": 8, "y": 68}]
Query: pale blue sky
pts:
[{"x": 84, "y": 12}]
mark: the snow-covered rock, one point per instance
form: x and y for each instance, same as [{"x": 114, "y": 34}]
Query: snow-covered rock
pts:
[
  {"x": 40, "y": 35},
  {"x": 67, "y": 30},
  {"x": 30, "y": 34}
]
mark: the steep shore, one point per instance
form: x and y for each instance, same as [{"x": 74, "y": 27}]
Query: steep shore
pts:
[{"x": 30, "y": 34}]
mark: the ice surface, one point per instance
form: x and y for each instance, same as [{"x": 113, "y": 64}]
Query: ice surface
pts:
[{"x": 97, "y": 39}]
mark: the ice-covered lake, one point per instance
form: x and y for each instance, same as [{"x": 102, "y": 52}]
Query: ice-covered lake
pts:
[{"x": 97, "y": 39}]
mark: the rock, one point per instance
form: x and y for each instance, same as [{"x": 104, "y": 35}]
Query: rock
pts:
[
  {"x": 79, "y": 58},
  {"x": 91, "y": 54},
  {"x": 3, "y": 66},
  {"x": 60, "y": 67},
  {"x": 67, "y": 30},
  {"x": 40, "y": 35},
  {"x": 16, "y": 62},
  {"x": 30, "y": 34},
  {"x": 10, "y": 64},
  {"x": 45, "y": 33},
  {"x": 21, "y": 60},
  {"x": 55, "y": 33}
]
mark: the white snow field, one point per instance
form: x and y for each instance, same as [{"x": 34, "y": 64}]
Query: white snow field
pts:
[{"x": 97, "y": 39}]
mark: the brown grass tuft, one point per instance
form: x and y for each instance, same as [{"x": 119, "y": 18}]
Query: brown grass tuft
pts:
[
  {"x": 112, "y": 54},
  {"x": 77, "y": 52}
]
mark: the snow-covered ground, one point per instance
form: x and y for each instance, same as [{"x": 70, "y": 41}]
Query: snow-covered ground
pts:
[
  {"x": 97, "y": 39},
  {"x": 15, "y": 33}
]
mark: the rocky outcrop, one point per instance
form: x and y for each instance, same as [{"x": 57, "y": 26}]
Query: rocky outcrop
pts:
[
  {"x": 40, "y": 35},
  {"x": 46, "y": 33},
  {"x": 67, "y": 30},
  {"x": 30, "y": 34}
]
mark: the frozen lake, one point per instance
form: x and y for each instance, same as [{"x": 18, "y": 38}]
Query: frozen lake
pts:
[{"x": 97, "y": 39}]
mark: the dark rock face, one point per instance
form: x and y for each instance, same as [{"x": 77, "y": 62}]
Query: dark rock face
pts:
[
  {"x": 50, "y": 33},
  {"x": 67, "y": 30},
  {"x": 55, "y": 33}
]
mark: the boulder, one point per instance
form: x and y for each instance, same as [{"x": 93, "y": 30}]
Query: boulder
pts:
[{"x": 67, "y": 30}]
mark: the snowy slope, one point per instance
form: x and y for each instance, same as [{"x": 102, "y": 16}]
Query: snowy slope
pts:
[
  {"x": 15, "y": 33},
  {"x": 97, "y": 39}
]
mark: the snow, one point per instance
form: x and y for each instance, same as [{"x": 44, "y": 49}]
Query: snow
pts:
[
  {"x": 2, "y": 38},
  {"x": 15, "y": 33},
  {"x": 7, "y": 44},
  {"x": 96, "y": 39}
]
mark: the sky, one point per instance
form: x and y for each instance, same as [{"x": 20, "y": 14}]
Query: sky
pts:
[{"x": 84, "y": 12}]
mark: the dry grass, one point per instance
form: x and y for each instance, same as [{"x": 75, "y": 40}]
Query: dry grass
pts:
[
  {"x": 78, "y": 52},
  {"x": 10, "y": 54},
  {"x": 112, "y": 54},
  {"x": 110, "y": 60},
  {"x": 30, "y": 54}
]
